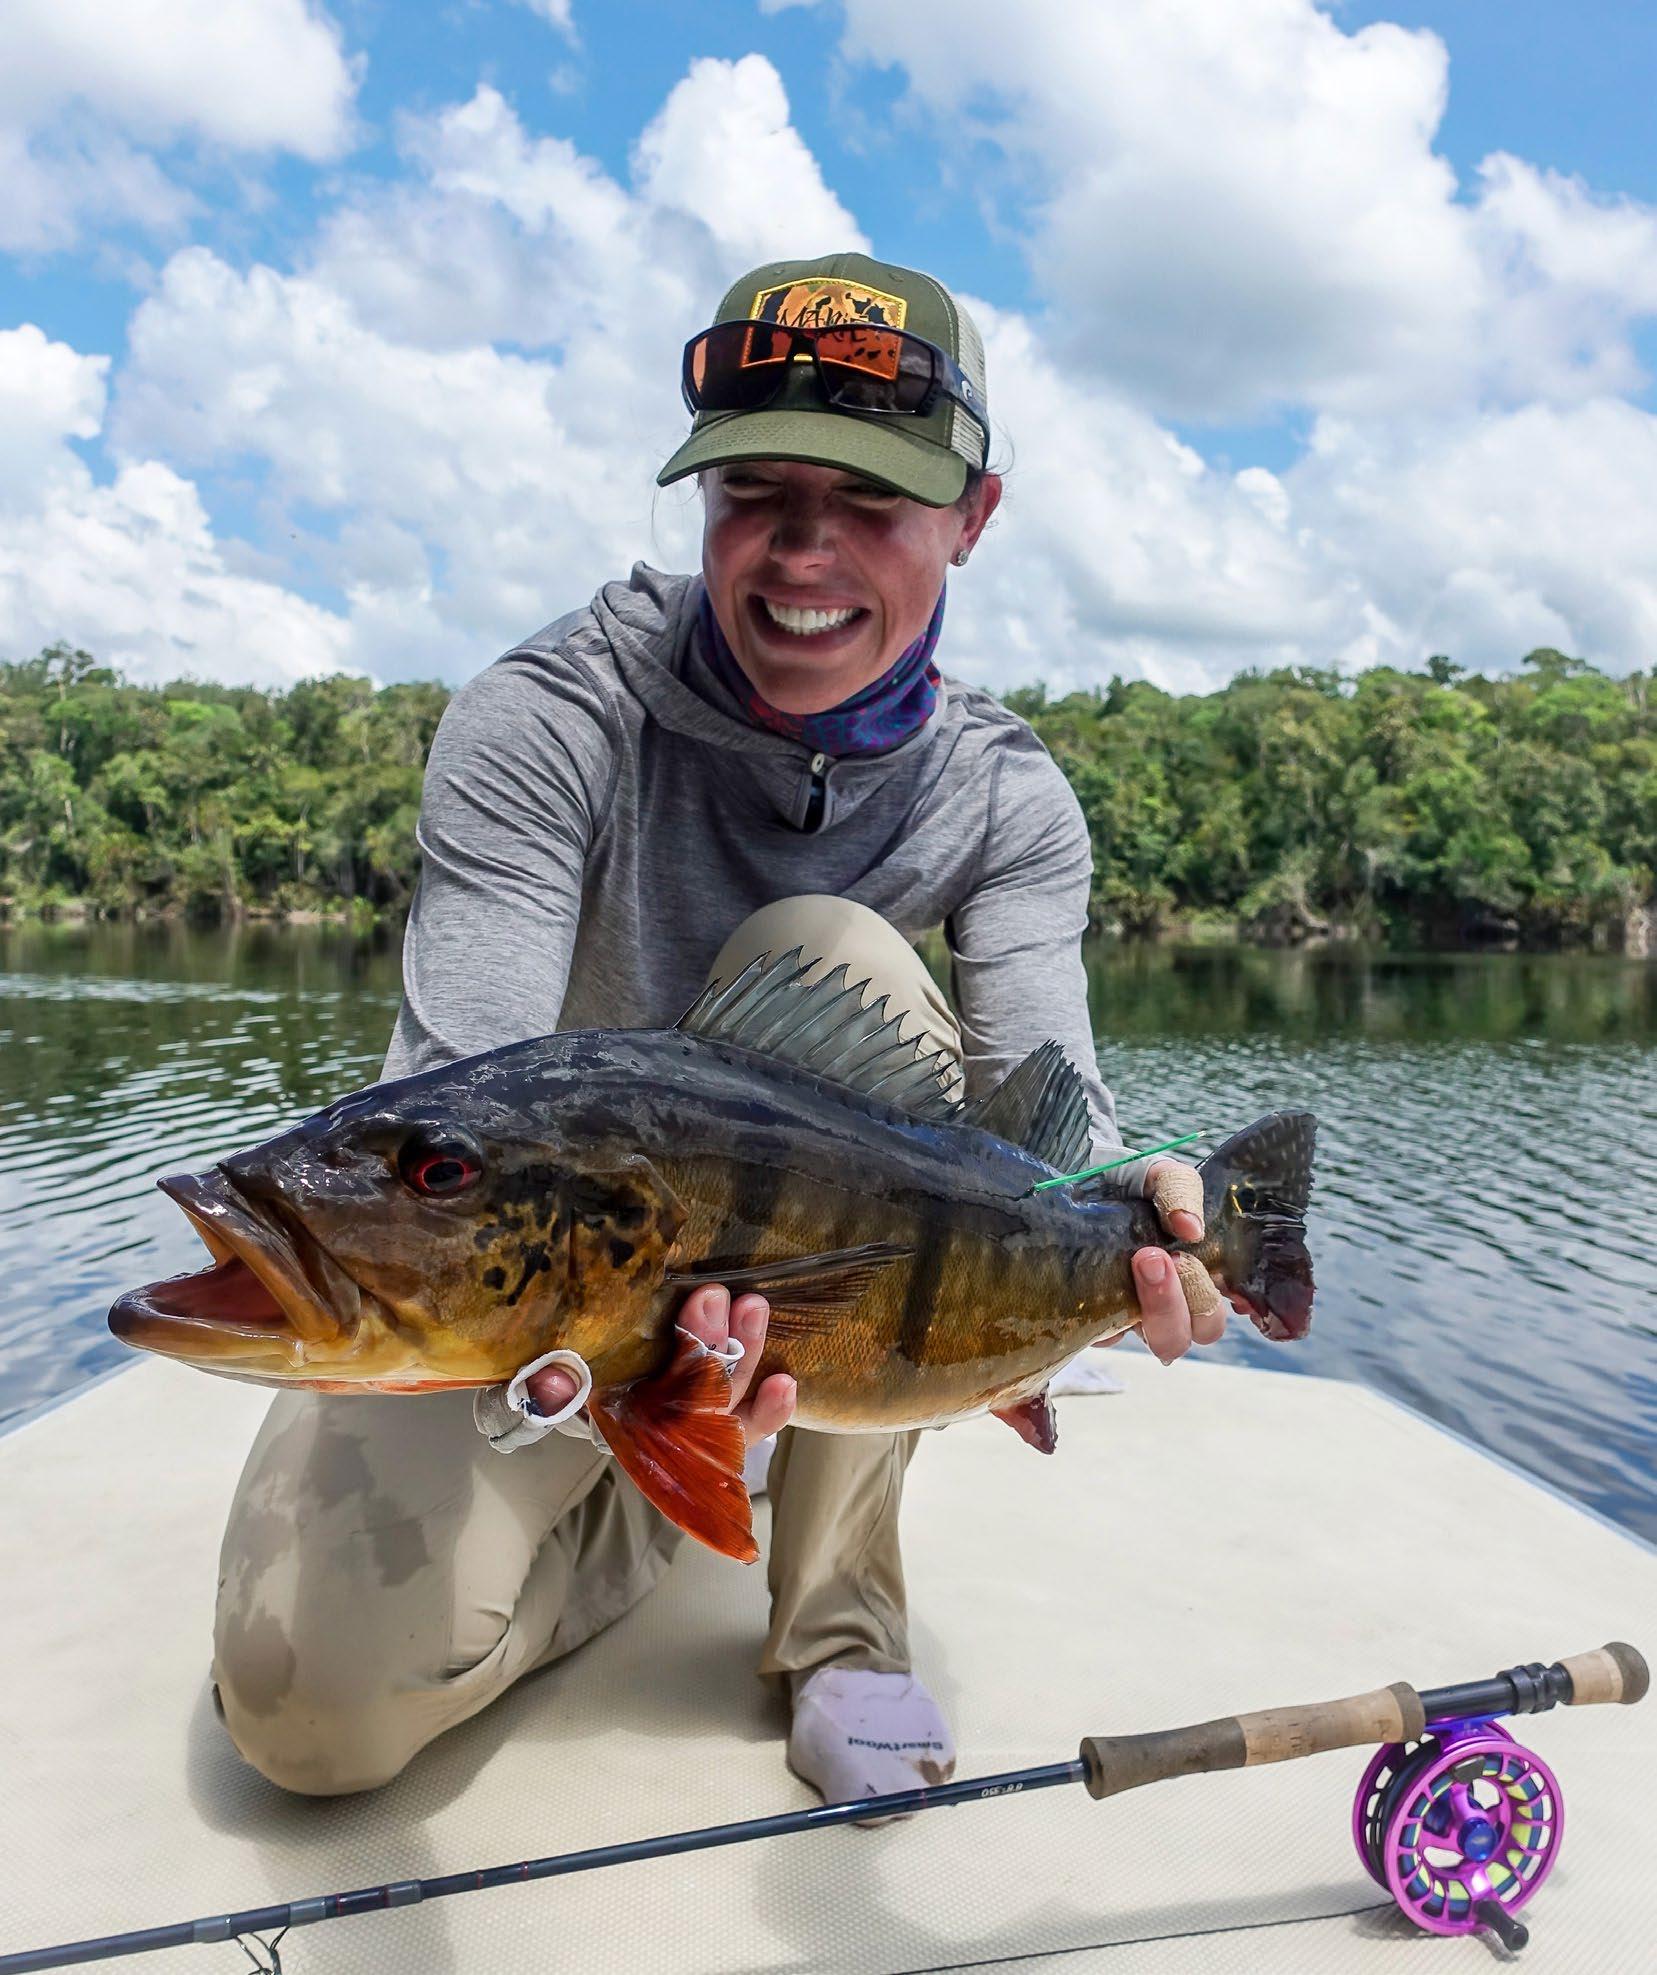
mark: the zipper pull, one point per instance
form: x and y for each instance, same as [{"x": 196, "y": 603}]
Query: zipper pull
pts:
[{"x": 817, "y": 798}]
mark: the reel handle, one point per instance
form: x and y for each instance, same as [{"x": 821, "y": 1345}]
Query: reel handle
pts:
[{"x": 1615, "y": 1673}]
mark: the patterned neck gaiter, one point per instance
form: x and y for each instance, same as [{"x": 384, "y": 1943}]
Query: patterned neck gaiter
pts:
[{"x": 888, "y": 710}]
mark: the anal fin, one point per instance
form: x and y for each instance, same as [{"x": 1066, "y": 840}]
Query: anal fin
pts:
[
  {"x": 682, "y": 1448},
  {"x": 1033, "y": 1420}
]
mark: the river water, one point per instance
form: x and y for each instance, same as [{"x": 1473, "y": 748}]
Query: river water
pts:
[{"x": 1484, "y": 1222}]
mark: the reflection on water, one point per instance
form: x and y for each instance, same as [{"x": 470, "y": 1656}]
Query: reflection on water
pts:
[{"x": 1484, "y": 1222}]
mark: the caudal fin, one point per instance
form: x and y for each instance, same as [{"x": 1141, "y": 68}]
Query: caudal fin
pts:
[{"x": 1255, "y": 1189}]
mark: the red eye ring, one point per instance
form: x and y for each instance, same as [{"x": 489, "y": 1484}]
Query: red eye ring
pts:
[
  {"x": 442, "y": 1173},
  {"x": 437, "y": 1165}
]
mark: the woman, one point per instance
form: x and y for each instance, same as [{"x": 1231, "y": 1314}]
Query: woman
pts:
[{"x": 644, "y": 796}]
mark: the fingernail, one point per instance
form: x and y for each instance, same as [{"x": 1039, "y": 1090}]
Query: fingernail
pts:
[
  {"x": 717, "y": 1302},
  {"x": 1154, "y": 1267}
]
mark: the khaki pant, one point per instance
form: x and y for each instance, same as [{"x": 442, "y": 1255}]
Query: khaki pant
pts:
[{"x": 386, "y": 1574}]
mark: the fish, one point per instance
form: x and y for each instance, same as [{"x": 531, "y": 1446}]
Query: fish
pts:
[{"x": 565, "y": 1193}]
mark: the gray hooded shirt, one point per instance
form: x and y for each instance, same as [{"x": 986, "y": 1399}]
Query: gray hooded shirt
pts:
[{"x": 597, "y": 818}]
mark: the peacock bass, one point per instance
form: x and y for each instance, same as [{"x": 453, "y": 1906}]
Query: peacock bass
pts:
[{"x": 565, "y": 1193}]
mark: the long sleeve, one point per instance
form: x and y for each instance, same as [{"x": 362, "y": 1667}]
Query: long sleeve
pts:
[
  {"x": 517, "y": 783},
  {"x": 1016, "y": 941}
]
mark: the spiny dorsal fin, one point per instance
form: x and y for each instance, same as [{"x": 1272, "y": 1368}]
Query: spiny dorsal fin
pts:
[
  {"x": 1041, "y": 1106},
  {"x": 826, "y": 1029}
]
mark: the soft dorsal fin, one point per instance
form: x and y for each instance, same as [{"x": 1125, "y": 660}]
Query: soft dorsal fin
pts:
[
  {"x": 825, "y": 1029},
  {"x": 1041, "y": 1106}
]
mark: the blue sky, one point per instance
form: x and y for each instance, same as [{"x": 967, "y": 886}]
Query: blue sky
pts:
[{"x": 1338, "y": 337}]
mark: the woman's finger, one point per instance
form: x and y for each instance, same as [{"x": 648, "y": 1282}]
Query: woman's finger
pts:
[
  {"x": 1175, "y": 1191},
  {"x": 1164, "y": 1321},
  {"x": 749, "y": 1316},
  {"x": 706, "y": 1314},
  {"x": 1202, "y": 1299},
  {"x": 772, "y": 1409},
  {"x": 551, "y": 1389}
]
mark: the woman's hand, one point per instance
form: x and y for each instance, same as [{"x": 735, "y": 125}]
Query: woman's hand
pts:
[
  {"x": 1178, "y": 1303},
  {"x": 710, "y": 1316}
]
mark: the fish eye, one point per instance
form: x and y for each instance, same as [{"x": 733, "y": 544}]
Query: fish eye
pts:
[{"x": 438, "y": 1160}]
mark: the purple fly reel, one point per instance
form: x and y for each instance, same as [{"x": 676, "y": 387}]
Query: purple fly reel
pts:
[{"x": 1461, "y": 1827}]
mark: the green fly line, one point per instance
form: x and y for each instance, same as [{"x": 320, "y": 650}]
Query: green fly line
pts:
[{"x": 1127, "y": 1159}]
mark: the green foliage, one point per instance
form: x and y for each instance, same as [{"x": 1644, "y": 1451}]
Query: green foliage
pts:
[
  {"x": 1434, "y": 806},
  {"x": 1427, "y": 805},
  {"x": 207, "y": 800}
]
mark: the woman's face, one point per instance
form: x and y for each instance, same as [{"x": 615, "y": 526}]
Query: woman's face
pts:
[{"x": 781, "y": 536}]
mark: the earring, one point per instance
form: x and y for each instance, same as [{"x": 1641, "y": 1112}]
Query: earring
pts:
[{"x": 960, "y": 559}]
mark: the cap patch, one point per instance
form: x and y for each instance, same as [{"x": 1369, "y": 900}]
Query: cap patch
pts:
[{"x": 826, "y": 304}]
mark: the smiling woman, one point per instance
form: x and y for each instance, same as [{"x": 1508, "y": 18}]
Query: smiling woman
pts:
[
  {"x": 824, "y": 582},
  {"x": 638, "y": 802}
]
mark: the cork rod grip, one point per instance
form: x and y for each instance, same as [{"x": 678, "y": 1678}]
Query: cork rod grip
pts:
[
  {"x": 1615, "y": 1673},
  {"x": 1123, "y": 1762}
]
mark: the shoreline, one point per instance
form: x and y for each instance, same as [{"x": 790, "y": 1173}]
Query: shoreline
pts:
[{"x": 1634, "y": 939}]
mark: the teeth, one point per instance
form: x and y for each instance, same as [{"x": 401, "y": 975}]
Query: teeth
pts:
[{"x": 805, "y": 620}]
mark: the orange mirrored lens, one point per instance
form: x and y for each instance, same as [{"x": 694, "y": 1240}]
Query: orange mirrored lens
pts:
[{"x": 878, "y": 351}]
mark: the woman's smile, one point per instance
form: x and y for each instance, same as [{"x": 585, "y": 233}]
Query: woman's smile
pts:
[{"x": 823, "y": 626}]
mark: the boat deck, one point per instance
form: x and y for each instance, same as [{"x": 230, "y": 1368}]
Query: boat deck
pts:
[{"x": 1210, "y": 1541}]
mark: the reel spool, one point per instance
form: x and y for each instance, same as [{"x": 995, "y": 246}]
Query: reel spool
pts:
[{"x": 1461, "y": 1827}]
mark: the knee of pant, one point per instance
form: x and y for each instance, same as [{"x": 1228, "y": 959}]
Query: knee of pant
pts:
[
  {"x": 833, "y": 930},
  {"x": 317, "y": 1744},
  {"x": 317, "y": 1755}
]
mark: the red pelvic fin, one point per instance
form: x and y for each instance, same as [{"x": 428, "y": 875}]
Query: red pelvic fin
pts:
[
  {"x": 1033, "y": 1420},
  {"x": 683, "y": 1450}
]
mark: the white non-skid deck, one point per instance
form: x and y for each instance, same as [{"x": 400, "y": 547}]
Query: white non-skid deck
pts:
[{"x": 1209, "y": 1541}]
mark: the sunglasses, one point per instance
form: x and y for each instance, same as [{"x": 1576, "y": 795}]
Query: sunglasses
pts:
[{"x": 739, "y": 366}]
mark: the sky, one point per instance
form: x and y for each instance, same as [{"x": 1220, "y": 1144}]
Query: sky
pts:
[{"x": 342, "y": 335}]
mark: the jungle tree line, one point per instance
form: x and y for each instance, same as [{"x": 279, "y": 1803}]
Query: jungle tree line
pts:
[{"x": 1434, "y": 805}]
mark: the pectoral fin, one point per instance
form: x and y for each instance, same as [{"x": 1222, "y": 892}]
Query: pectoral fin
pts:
[
  {"x": 682, "y": 1449},
  {"x": 1033, "y": 1420},
  {"x": 804, "y": 1286}
]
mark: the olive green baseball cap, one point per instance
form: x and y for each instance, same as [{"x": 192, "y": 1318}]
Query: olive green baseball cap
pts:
[{"x": 925, "y": 458}]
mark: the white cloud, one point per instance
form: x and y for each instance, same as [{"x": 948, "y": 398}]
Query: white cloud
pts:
[
  {"x": 723, "y": 153},
  {"x": 87, "y": 87},
  {"x": 1495, "y": 532},
  {"x": 1235, "y": 205},
  {"x": 369, "y": 385},
  {"x": 556, "y": 13},
  {"x": 489, "y": 465},
  {"x": 130, "y": 570},
  {"x": 1118, "y": 549},
  {"x": 1571, "y": 273}
]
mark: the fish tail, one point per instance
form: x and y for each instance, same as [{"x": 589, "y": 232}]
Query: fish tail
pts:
[{"x": 1255, "y": 1189}]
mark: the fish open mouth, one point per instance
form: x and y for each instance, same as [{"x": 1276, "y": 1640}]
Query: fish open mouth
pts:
[{"x": 269, "y": 1291}]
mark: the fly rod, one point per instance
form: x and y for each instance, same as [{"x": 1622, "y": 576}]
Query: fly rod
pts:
[{"x": 1395, "y": 1715}]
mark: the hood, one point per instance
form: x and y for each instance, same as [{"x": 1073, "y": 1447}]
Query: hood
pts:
[{"x": 650, "y": 624}]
